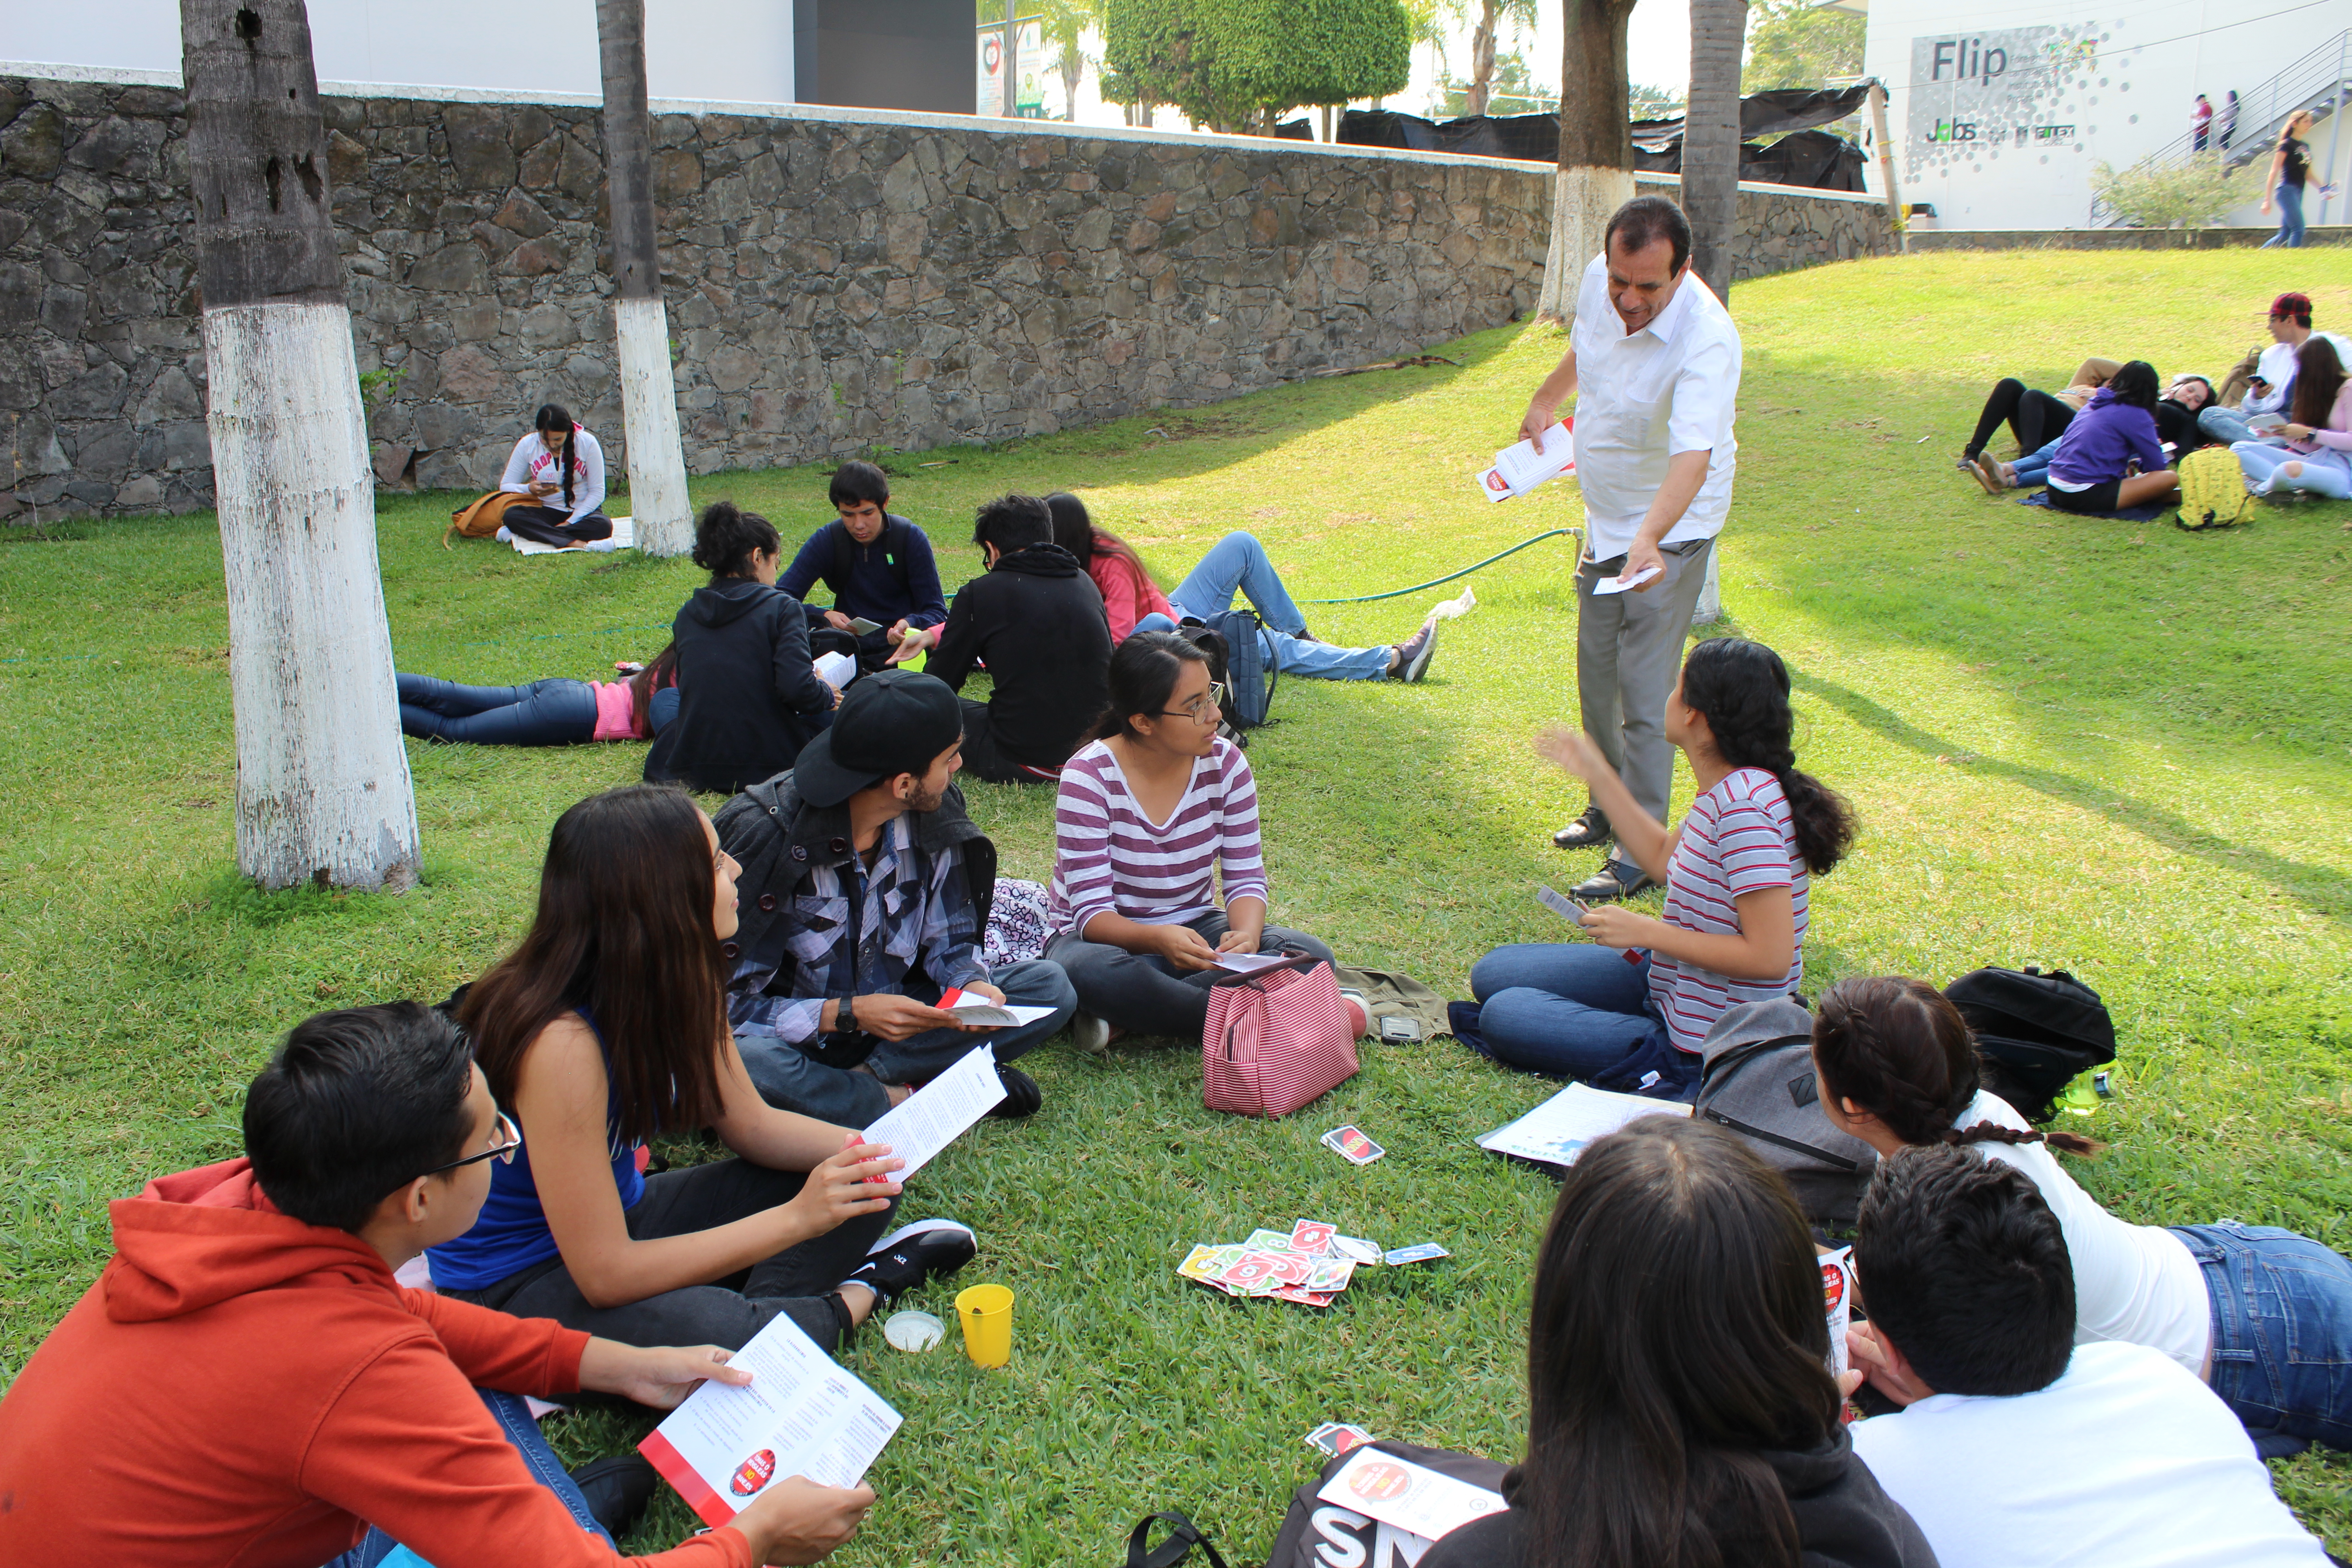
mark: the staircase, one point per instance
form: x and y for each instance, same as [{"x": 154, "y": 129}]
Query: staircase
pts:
[{"x": 2321, "y": 82}]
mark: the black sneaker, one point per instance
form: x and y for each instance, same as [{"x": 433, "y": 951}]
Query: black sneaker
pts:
[
  {"x": 1616, "y": 880},
  {"x": 1413, "y": 653},
  {"x": 617, "y": 1490},
  {"x": 911, "y": 1255},
  {"x": 1022, "y": 1095},
  {"x": 1586, "y": 832}
]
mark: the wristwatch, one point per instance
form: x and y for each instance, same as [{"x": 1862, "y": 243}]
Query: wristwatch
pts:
[{"x": 844, "y": 1017}]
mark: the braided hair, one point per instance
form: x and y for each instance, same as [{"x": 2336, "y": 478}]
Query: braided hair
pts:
[
  {"x": 1897, "y": 1048},
  {"x": 552, "y": 416},
  {"x": 1742, "y": 689}
]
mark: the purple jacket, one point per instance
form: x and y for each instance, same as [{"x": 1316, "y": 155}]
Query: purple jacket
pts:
[{"x": 2103, "y": 436}]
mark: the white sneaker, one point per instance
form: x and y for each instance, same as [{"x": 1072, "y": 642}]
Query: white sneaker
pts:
[{"x": 1090, "y": 1034}]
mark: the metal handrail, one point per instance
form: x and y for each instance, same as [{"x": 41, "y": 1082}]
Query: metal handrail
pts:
[{"x": 2315, "y": 82}]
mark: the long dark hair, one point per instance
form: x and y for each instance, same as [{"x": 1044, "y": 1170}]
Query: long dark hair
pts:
[
  {"x": 1074, "y": 532},
  {"x": 1143, "y": 672},
  {"x": 2135, "y": 385},
  {"x": 622, "y": 932},
  {"x": 1742, "y": 689},
  {"x": 555, "y": 416},
  {"x": 726, "y": 537},
  {"x": 1676, "y": 1330},
  {"x": 1900, "y": 1050},
  {"x": 658, "y": 675},
  {"x": 2318, "y": 378}
]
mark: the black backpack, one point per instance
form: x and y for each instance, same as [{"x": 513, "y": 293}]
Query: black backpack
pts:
[
  {"x": 1320, "y": 1534},
  {"x": 2035, "y": 1033},
  {"x": 1758, "y": 1081}
]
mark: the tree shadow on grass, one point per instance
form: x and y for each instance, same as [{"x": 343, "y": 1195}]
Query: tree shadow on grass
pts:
[{"x": 2322, "y": 889}]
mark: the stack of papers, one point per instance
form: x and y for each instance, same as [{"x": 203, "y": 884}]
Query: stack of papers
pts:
[
  {"x": 1309, "y": 1264},
  {"x": 835, "y": 670},
  {"x": 1555, "y": 1132},
  {"x": 800, "y": 1415},
  {"x": 1521, "y": 468}
]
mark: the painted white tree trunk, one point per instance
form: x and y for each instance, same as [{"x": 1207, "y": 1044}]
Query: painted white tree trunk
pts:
[
  {"x": 1583, "y": 201},
  {"x": 657, "y": 498},
  {"x": 323, "y": 794},
  {"x": 1709, "y": 608}
]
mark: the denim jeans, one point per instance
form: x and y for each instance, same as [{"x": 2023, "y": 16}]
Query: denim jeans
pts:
[
  {"x": 2322, "y": 473},
  {"x": 788, "y": 1077},
  {"x": 544, "y": 713},
  {"x": 2033, "y": 469},
  {"x": 1298, "y": 655},
  {"x": 1237, "y": 563},
  {"x": 2290, "y": 209},
  {"x": 2230, "y": 426},
  {"x": 514, "y": 1418},
  {"x": 1569, "y": 1009},
  {"x": 2282, "y": 1332},
  {"x": 1146, "y": 993}
]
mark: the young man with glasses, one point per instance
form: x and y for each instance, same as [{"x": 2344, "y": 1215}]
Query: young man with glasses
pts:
[
  {"x": 247, "y": 1383},
  {"x": 1151, "y": 818}
]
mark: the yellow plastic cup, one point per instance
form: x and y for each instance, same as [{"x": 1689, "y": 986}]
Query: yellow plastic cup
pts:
[{"x": 986, "y": 1312}]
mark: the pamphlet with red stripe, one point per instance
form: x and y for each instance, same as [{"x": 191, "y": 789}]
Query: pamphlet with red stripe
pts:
[{"x": 800, "y": 1415}]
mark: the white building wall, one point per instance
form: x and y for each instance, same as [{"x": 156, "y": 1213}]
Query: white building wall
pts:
[
  {"x": 736, "y": 51},
  {"x": 1998, "y": 114}
]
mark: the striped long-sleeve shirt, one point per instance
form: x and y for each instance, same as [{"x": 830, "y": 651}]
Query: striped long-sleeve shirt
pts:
[
  {"x": 1737, "y": 839},
  {"x": 1110, "y": 858}
]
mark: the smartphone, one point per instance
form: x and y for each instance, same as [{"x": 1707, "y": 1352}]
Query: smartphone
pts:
[{"x": 1561, "y": 904}]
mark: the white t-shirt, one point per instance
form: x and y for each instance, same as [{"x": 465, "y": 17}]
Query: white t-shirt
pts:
[
  {"x": 2136, "y": 1283},
  {"x": 2125, "y": 1461},
  {"x": 1641, "y": 398},
  {"x": 530, "y": 460}
]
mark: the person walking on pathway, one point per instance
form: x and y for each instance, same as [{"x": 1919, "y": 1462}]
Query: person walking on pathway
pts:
[
  {"x": 2289, "y": 168},
  {"x": 2201, "y": 122},
  {"x": 1654, "y": 360}
]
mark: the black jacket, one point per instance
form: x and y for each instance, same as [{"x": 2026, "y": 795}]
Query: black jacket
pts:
[
  {"x": 1845, "y": 1519},
  {"x": 748, "y": 700},
  {"x": 1037, "y": 619},
  {"x": 2177, "y": 427},
  {"x": 778, "y": 840}
]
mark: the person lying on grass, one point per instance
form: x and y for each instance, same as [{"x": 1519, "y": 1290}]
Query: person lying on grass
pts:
[
  {"x": 2263, "y": 1315},
  {"x": 555, "y": 712},
  {"x": 2035, "y": 417},
  {"x": 607, "y": 1025},
  {"x": 2021, "y": 1444},
  {"x": 869, "y": 888},
  {"x": 1151, "y": 814},
  {"x": 2176, "y": 428},
  {"x": 2109, "y": 459},
  {"x": 248, "y": 1386},
  {"x": 1237, "y": 564},
  {"x": 1680, "y": 1406},
  {"x": 1629, "y": 1009}
]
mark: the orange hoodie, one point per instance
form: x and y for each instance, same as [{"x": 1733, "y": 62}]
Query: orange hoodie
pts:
[{"x": 241, "y": 1390}]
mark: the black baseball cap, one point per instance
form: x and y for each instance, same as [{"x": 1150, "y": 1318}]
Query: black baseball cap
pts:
[{"x": 893, "y": 721}]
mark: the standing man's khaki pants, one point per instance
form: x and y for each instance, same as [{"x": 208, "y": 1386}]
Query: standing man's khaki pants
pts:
[{"x": 1628, "y": 653}]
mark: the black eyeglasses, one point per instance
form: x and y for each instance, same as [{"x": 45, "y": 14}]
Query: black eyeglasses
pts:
[
  {"x": 1199, "y": 709},
  {"x": 503, "y": 1153}
]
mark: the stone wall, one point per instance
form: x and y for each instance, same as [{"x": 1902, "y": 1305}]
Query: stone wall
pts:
[{"x": 835, "y": 279}]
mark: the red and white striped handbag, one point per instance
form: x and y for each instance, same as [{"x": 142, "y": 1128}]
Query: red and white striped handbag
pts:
[{"x": 1275, "y": 1039}]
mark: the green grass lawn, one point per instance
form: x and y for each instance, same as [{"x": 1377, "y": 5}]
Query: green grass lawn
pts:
[{"x": 2117, "y": 748}]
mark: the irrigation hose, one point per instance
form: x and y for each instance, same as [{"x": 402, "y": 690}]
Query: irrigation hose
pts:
[{"x": 1437, "y": 582}]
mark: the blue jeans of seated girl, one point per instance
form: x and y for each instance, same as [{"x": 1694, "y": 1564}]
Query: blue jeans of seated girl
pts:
[
  {"x": 2033, "y": 469},
  {"x": 514, "y": 1419},
  {"x": 543, "y": 714},
  {"x": 2324, "y": 473},
  {"x": 2282, "y": 1332},
  {"x": 1296, "y": 655},
  {"x": 1237, "y": 563},
  {"x": 1569, "y": 1009}
]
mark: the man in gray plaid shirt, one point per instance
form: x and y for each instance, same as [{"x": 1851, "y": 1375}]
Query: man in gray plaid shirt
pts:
[{"x": 866, "y": 890}]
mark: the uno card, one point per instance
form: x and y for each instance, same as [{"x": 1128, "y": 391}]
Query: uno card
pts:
[
  {"x": 1352, "y": 1145},
  {"x": 1421, "y": 1252},
  {"x": 1204, "y": 1261},
  {"x": 1356, "y": 1249},
  {"x": 1289, "y": 1268},
  {"x": 1312, "y": 1237},
  {"x": 1264, "y": 1240},
  {"x": 1247, "y": 1272},
  {"x": 1301, "y": 1295},
  {"x": 1329, "y": 1274},
  {"x": 1335, "y": 1437}
]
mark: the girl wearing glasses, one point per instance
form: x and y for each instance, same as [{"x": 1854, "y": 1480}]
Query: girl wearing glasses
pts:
[
  {"x": 608, "y": 1026},
  {"x": 1150, "y": 816}
]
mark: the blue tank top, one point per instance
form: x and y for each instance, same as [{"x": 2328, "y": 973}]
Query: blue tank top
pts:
[{"x": 512, "y": 1234}]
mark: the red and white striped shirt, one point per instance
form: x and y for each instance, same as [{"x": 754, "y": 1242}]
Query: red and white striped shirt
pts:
[
  {"x": 1110, "y": 858},
  {"x": 1738, "y": 837}
]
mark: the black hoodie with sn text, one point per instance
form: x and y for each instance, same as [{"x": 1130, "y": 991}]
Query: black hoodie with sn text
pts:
[
  {"x": 1036, "y": 619},
  {"x": 748, "y": 699}
]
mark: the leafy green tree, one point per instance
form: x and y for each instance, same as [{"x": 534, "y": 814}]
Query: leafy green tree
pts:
[
  {"x": 1794, "y": 43},
  {"x": 1514, "y": 90},
  {"x": 1651, "y": 103},
  {"x": 2189, "y": 195},
  {"x": 1064, "y": 24},
  {"x": 1238, "y": 65},
  {"x": 1492, "y": 14}
]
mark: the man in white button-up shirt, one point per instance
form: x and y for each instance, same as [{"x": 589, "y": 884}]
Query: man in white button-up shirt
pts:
[{"x": 1654, "y": 361}]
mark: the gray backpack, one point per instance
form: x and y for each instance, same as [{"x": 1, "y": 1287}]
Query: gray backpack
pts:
[{"x": 1758, "y": 1081}]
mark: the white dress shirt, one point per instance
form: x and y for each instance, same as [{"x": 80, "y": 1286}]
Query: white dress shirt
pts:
[{"x": 1644, "y": 396}]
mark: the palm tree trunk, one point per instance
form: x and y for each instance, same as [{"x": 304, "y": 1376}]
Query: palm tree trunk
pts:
[
  {"x": 1596, "y": 148},
  {"x": 323, "y": 791},
  {"x": 1711, "y": 137},
  {"x": 1481, "y": 57},
  {"x": 657, "y": 497}
]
